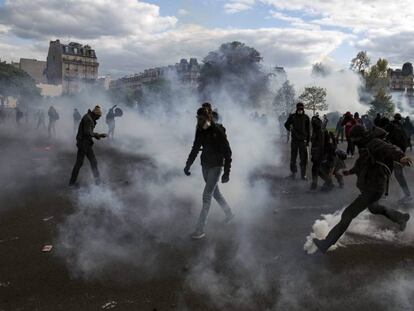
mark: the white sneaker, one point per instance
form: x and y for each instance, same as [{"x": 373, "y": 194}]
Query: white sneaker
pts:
[{"x": 198, "y": 234}]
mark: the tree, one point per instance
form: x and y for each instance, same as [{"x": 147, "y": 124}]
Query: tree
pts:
[
  {"x": 361, "y": 62},
  {"x": 17, "y": 83},
  {"x": 314, "y": 98},
  {"x": 284, "y": 101},
  {"x": 319, "y": 69},
  {"x": 235, "y": 69},
  {"x": 377, "y": 77},
  {"x": 382, "y": 104}
]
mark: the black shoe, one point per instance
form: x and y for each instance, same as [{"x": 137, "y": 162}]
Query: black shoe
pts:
[
  {"x": 292, "y": 176},
  {"x": 313, "y": 186},
  {"x": 322, "y": 245},
  {"x": 326, "y": 188},
  {"x": 403, "y": 221},
  {"x": 74, "y": 185}
]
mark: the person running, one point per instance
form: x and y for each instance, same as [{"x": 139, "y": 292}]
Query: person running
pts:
[
  {"x": 216, "y": 154},
  {"x": 84, "y": 142},
  {"x": 298, "y": 124},
  {"x": 373, "y": 169}
]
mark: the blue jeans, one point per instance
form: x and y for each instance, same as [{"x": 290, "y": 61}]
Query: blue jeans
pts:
[{"x": 211, "y": 176}]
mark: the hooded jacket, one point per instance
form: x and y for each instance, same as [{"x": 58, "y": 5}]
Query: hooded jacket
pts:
[
  {"x": 375, "y": 163},
  {"x": 85, "y": 129},
  {"x": 299, "y": 125},
  {"x": 323, "y": 147},
  {"x": 396, "y": 134},
  {"x": 215, "y": 148}
]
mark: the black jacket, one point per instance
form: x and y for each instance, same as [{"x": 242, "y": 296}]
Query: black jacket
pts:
[
  {"x": 85, "y": 130},
  {"x": 375, "y": 163},
  {"x": 216, "y": 148},
  {"x": 396, "y": 135},
  {"x": 323, "y": 146},
  {"x": 299, "y": 125}
]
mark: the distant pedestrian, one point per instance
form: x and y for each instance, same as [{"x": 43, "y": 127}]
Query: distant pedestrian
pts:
[
  {"x": 53, "y": 117},
  {"x": 76, "y": 119},
  {"x": 298, "y": 124}
]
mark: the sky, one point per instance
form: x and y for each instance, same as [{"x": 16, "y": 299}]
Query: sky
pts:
[{"x": 130, "y": 35}]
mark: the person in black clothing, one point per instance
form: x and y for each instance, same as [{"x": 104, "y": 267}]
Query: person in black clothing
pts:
[
  {"x": 397, "y": 136},
  {"x": 409, "y": 130},
  {"x": 373, "y": 169},
  {"x": 110, "y": 120},
  {"x": 298, "y": 124},
  {"x": 76, "y": 119},
  {"x": 340, "y": 130},
  {"x": 84, "y": 143},
  {"x": 322, "y": 154},
  {"x": 377, "y": 120},
  {"x": 19, "y": 116},
  {"x": 53, "y": 117},
  {"x": 216, "y": 153}
]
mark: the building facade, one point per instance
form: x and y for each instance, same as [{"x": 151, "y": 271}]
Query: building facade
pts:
[
  {"x": 34, "y": 68},
  {"x": 188, "y": 72},
  {"x": 402, "y": 79},
  {"x": 73, "y": 65}
]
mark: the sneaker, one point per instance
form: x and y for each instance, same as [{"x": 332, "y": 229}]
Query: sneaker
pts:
[
  {"x": 198, "y": 234},
  {"x": 322, "y": 245},
  {"x": 228, "y": 218},
  {"x": 403, "y": 222},
  {"x": 406, "y": 199},
  {"x": 304, "y": 177}
]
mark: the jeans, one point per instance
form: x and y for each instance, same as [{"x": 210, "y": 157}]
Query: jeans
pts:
[
  {"x": 211, "y": 176},
  {"x": 85, "y": 149},
  {"x": 364, "y": 200},
  {"x": 399, "y": 176},
  {"x": 298, "y": 147}
]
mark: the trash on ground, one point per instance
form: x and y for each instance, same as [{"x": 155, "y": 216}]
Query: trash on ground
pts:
[
  {"x": 47, "y": 248},
  {"x": 109, "y": 305}
]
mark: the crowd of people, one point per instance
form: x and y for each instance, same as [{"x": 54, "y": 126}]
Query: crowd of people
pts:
[{"x": 381, "y": 145}]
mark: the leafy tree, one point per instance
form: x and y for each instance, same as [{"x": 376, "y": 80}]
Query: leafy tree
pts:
[
  {"x": 361, "y": 62},
  {"x": 382, "y": 104},
  {"x": 17, "y": 83},
  {"x": 377, "y": 77},
  {"x": 319, "y": 69},
  {"x": 314, "y": 98},
  {"x": 284, "y": 101},
  {"x": 234, "y": 68}
]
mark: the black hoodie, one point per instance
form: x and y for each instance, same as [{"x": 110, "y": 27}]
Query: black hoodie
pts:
[
  {"x": 375, "y": 162},
  {"x": 216, "y": 148}
]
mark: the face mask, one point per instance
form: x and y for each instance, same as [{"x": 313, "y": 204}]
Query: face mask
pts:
[
  {"x": 206, "y": 125},
  {"x": 300, "y": 111}
]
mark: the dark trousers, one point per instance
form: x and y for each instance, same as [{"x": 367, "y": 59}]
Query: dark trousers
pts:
[
  {"x": 322, "y": 170},
  {"x": 85, "y": 149},
  {"x": 364, "y": 200},
  {"x": 340, "y": 133},
  {"x": 298, "y": 147},
  {"x": 399, "y": 176},
  {"x": 350, "y": 149}
]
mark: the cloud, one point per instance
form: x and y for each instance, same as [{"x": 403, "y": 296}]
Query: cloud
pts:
[
  {"x": 141, "y": 38},
  {"x": 82, "y": 19},
  {"x": 183, "y": 12},
  {"x": 236, "y": 6}
]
